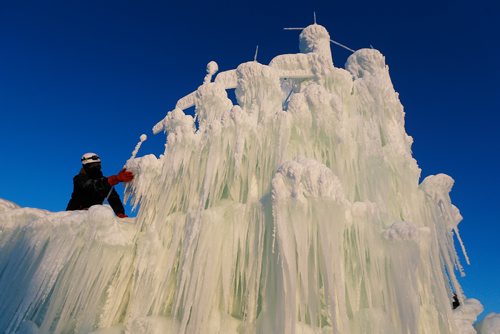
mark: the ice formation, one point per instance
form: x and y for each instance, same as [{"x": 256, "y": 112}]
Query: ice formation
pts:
[
  {"x": 490, "y": 324},
  {"x": 142, "y": 139},
  {"x": 466, "y": 314},
  {"x": 298, "y": 210},
  {"x": 7, "y": 205}
]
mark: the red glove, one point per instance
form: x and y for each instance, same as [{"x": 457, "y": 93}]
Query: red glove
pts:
[
  {"x": 123, "y": 176},
  {"x": 122, "y": 215}
]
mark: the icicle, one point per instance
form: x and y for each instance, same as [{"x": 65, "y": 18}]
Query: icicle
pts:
[
  {"x": 142, "y": 139},
  {"x": 464, "y": 251}
]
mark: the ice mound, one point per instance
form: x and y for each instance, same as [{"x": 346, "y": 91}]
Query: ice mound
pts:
[
  {"x": 303, "y": 178},
  {"x": 401, "y": 231},
  {"x": 466, "y": 314},
  {"x": 296, "y": 210},
  {"x": 489, "y": 325},
  {"x": 366, "y": 62}
]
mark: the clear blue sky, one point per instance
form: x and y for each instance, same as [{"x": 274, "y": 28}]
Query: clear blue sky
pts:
[{"x": 78, "y": 76}]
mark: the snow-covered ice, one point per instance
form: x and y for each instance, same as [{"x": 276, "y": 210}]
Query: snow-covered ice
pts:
[
  {"x": 63, "y": 272},
  {"x": 7, "y": 205},
  {"x": 296, "y": 210},
  {"x": 490, "y": 324},
  {"x": 466, "y": 314}
]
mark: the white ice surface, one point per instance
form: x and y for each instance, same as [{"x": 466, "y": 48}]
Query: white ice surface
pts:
[
  {"x": 489, "y": 325},
  {"x": 56, "y": 264},
  {"x": 7, "y": 205},
  {"x": 466, "y": 314}
]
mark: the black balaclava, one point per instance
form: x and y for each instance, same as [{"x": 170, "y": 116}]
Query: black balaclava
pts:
[{"x": 93, "y": 170}]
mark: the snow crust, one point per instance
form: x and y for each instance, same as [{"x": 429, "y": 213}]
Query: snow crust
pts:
[{"x": 296, "y": 210}]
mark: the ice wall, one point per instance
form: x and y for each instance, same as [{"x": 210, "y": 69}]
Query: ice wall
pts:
[
  {"x": 63, "y": 272},
  {"x": 298, "y": 210},
  {"x": 311, "y": 181}
]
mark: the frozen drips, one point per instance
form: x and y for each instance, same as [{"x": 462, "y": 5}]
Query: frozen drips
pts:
[{"x": 142, "y": 139}]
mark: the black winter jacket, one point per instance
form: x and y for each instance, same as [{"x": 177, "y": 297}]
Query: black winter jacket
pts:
[{"x": 89, "y": 191}]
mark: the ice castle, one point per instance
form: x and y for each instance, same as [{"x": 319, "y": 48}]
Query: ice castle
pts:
[{"x": 296, "y": 210}]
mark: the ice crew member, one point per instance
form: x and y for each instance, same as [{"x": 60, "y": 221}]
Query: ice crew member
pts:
[{"x": 90, "y": 187}]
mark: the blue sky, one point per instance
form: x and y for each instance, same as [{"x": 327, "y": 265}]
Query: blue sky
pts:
[{"x": 78, "y": 76}]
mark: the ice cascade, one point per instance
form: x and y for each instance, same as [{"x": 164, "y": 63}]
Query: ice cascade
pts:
[{"x": 297, "y": 210}]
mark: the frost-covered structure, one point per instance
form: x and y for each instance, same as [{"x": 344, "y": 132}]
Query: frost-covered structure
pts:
[{"x": 297, "y": 210}]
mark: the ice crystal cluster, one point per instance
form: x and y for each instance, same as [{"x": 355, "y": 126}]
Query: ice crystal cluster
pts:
[{"x": 296, "y": 210}]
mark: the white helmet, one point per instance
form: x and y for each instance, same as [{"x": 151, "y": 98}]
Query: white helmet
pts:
[{"x": 89, "y": 158}]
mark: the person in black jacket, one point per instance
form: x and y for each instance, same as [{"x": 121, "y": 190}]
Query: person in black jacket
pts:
[{"x": 90, "y": 187}]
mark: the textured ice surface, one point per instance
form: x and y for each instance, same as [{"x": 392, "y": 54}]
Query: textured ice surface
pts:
[
  {"x": 298, "y": 210},
  {"x": 63, "y": 272},
  {"x": 466, "y": 314},
  {"x": 489, "y": 325},
  {"x": 7, "y": 205}
]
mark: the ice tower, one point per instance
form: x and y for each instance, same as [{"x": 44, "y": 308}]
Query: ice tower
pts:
[
  {"x": 316, "y": 39},
  {"x": 296, "y": 210}
]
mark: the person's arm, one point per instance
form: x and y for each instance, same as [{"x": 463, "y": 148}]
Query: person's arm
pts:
[
  {"x": 103, "y": 184},
  {"x": 116, "y": 204},
  {"x": 114, "y": 199},
  {"x": 123, "y": 176}
]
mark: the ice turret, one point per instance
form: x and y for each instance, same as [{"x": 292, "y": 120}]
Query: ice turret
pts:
[{"x": 315, "y": 38}]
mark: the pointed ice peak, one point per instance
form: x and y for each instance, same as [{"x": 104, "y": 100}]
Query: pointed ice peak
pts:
[{"x": 315, "y": 38}]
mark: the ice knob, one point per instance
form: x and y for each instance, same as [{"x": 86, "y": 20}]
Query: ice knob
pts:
[
  {"x": 316, "y": 39},
  {"x": 212, "y": 68}
]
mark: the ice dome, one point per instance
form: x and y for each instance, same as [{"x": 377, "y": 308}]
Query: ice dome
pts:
[
  {"x": 315, "y": 38},
  {"x": 365, "y": 61}
]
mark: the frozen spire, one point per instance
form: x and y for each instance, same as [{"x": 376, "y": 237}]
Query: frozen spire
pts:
[{"x": 315, "y": 38}]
